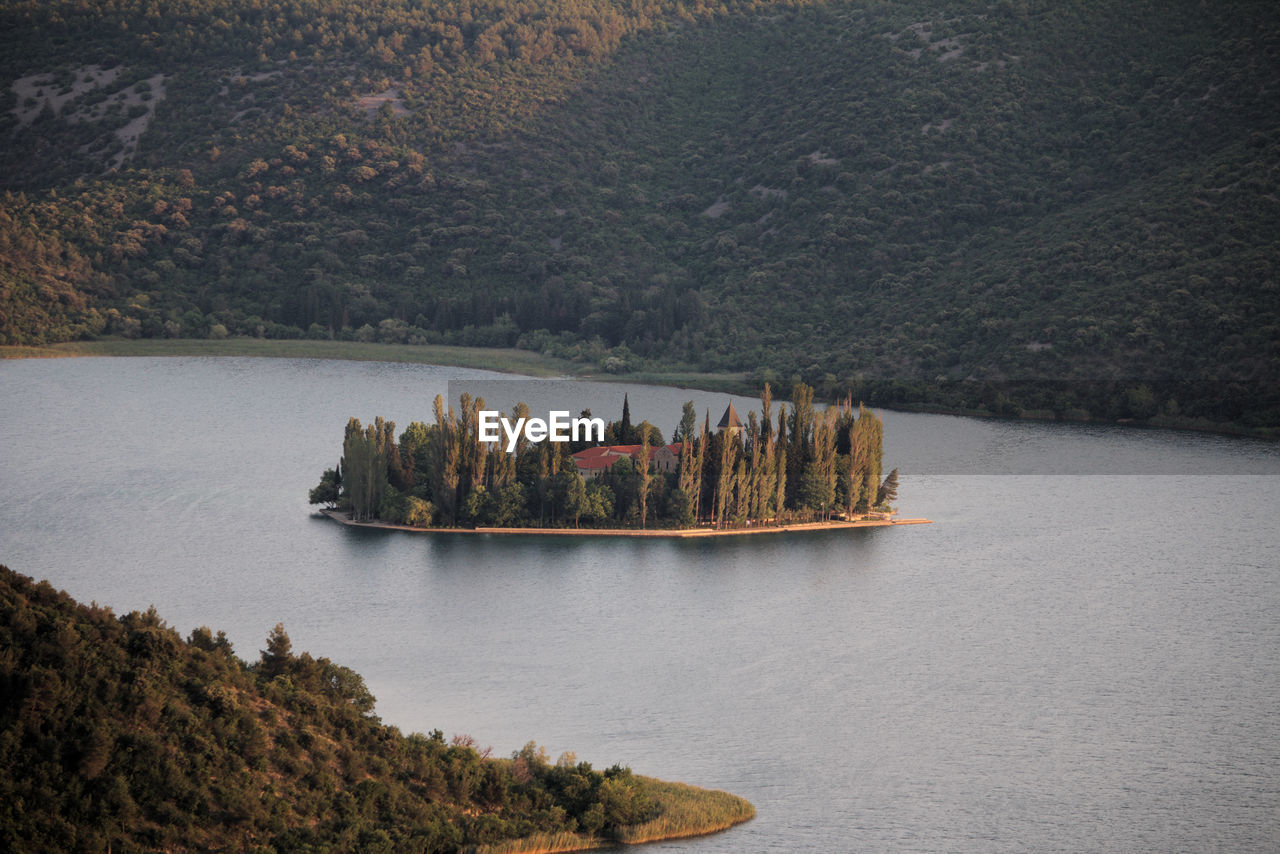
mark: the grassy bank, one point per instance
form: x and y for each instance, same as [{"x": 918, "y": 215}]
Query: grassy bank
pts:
[
  {"x": 505, "y": 360},
  {"x": 685, "y": 811},
  {"x": 523, "y": 362}
]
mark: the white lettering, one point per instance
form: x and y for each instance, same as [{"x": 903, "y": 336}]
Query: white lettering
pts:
[
  {"x": 558, "y": 429},
  {"x": 559, "y": 421},
  {"x": 489, "y": 425},
  {"x": 513, "y": 433},
  {"x": 592, "y": 425},
  {"x": 535, "y": 430}
]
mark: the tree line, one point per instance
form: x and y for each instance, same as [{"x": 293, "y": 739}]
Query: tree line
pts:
[
  {"x": 811, "y": 464},
  {"x": 1060, "y": 213}
]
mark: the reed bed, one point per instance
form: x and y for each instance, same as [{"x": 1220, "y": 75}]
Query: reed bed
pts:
[
  {"x": 686, "y": 811},
  {"x": 540, "y": 843}
]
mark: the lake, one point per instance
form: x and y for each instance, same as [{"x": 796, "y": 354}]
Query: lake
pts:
[{"x": 1081, "y": 654}]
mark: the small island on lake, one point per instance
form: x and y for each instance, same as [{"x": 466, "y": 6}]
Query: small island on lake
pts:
[{"x": 814, "y": 469}]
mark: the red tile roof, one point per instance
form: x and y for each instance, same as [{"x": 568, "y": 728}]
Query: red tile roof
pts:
[{"x": 604, "y": 456}]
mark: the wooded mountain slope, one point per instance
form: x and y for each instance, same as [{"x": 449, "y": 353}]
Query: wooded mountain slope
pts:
[
  {"x": 116, "y": 734},
  {"x": 1065, "y": 207}
]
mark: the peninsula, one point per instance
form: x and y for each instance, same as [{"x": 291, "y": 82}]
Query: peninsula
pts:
[
  {"x": 119, "y": 734},
  {"x": 815, "y": 469}
]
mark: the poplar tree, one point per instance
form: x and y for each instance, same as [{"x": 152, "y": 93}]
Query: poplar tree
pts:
[
  {"x": 642, "y": 479},
  {"x": 724, "y": 480},
  {"x": 446, "y": 473},
  {"x": 824, "y": 453},
  {"x": 755, "y": 473},
  {"x": 479, "y": 451},
  {"x": 800, "y": 443},
  {"x": 857, "y": 468},
  {"x": 699, "y": 465},
  {"x": 875, "y": 451},
  {"x": 575, "y": 495},
  {"x": 741, "y": 491},
  {"x": 766, "y": 413},
  {"x": 384, "y": 444},
  {"x": 780, "y": 457},
  {"x": 364, "y": 466},
  {"x": 766, "y": 482},
  {"x": 502, "y": 466},
  {"x": 865, "y": 451}
]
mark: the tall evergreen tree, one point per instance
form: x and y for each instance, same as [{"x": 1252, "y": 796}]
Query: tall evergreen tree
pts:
[{"x": 626, "y": 435}]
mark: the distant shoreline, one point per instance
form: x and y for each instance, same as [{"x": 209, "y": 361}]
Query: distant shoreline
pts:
[
  {"x": 679, "y": 533},
  {"x": 532, "y": 364}
]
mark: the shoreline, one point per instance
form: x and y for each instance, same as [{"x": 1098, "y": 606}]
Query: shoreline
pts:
[
  {"x": 675, "y": 533},
  {"x": 534, "y": 364}
]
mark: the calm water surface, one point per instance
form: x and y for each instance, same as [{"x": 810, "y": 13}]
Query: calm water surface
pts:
[{"x": 1082, "y": 654}]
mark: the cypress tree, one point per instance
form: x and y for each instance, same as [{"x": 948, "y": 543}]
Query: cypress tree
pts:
[{"x": 625, "y": 433}]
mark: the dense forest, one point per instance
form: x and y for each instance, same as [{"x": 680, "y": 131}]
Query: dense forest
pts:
[
  {"x": 1063, "y": 209},
  {"x": 815, "y": 465},
  {"x": 118, "y": 734}
]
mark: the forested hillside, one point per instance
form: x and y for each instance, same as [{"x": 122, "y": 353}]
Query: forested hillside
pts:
[
  {"x": 117, "y": 734},
  {"x": 1069, "y": 208}
]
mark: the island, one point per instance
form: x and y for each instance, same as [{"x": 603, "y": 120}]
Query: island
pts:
[
  {"x": 117, "y": 734},
  {"x": 815, "y": 469}
]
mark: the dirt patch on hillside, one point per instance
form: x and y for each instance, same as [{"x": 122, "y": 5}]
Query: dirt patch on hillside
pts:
[
  {"x": 948, "y": 49},
  {"x": 37, "y": 91},
  {"x": 716, "y": 210},
  {"x": 372, "y": 103},
  {"x": 91, "y": 95},
  {"x": 767, "y": 192}
]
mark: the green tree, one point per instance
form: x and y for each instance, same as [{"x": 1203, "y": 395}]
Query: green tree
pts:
[
  {"x": 329, "y": 491},
  {"x": 643, "y": 476},
  {"x": 888, "y": 492},
  {"x": 780, "y": 457},
  {"x": 571, "y": 495},
  {"x": 446, "y": 468},
  {"x": 277, "y": 657},
  {"x": 600, "y": 502},
  {"x": 686, "y": 430},
  {"x": 418, "y": 513},
  {"x": 479, "y": 507},
  {"x": 511, "y": 503},
  {"x": 364, "y": 466}
]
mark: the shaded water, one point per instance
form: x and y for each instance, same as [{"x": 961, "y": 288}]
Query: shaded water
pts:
[{"x": 1080, "y": 655}]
